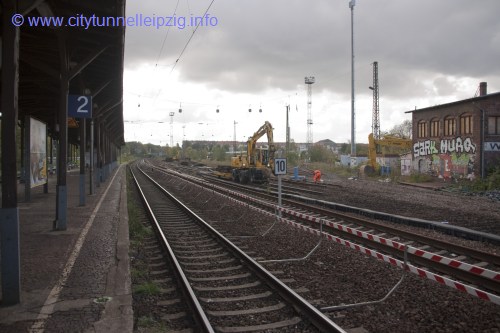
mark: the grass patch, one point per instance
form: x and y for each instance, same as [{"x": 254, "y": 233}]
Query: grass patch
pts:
[
  {"x": 137, "y": 230},
  {"x": 137, "y": 273},
  {"x": 150, "y": 324},
  {"x": 147, "y": 288},
  {"x": 420, "y": 178},
  {"x": 142, "y": 288}
]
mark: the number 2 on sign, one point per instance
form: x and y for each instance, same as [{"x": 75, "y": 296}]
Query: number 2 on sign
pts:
[{"x": 81, "y": 107}]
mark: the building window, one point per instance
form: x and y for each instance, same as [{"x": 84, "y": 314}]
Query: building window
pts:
[
  {"x": 494, "y": 125},
  {"x": 422, "y": 129},
  {"x": 450, "y": 126},
  {"x": 466, "y": 124},
  {"x": 434, "y": 128}
]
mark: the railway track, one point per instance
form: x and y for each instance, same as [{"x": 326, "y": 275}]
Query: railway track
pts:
[
  {"x": 227, "y": 291},
  {"x": 429, "y": 256},
  {"x": 466, "y": 264},
  {"x": 272, "y": 186}
]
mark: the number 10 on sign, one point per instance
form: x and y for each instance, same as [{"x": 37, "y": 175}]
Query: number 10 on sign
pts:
[
  {"x": 280, "y": 166},
  {"x": 279, "y": 169}
]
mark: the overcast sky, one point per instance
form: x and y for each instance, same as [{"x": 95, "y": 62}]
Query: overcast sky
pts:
[{"x": 256, "y": 53}]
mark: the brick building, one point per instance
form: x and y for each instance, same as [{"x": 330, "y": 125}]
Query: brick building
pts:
[{"x": 459, "y": 139}]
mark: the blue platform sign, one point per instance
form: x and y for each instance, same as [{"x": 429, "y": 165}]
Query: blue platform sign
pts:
[{"x": 80, "y": 106}]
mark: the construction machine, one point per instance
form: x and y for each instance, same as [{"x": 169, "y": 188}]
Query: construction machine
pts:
[
  {"x": 223, "y": 172},
  {"x": 258, "y": 163},
  {"x": 387, "y": 141}
]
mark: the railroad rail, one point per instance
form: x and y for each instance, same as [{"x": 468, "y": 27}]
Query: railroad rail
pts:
[
  {"x": 269, "y": 187},
  {"x": 427, "y": 256},
  {"x": 226, "y": 288}
]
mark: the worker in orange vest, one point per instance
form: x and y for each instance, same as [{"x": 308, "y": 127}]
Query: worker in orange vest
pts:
[{"x": 317, "y": 176}]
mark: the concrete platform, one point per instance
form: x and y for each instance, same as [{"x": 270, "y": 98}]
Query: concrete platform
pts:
[{"x": 77, "y": 280}]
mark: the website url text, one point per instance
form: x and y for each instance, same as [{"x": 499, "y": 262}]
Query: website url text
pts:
[{"x": 138, "y": 20}]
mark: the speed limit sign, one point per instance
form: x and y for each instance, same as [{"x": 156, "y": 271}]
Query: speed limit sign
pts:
[{"x": 280, "y": 166}]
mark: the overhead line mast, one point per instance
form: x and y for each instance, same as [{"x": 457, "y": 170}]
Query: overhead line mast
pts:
[{"x": 376, "y": 107}]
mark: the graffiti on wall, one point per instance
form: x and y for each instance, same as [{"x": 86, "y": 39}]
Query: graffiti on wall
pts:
[
  {"x": 457, "y": 145},
  {"x": 446, "y": 158}
]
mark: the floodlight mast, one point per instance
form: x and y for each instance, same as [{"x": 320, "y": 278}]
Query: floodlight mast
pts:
[
  {"x": 171, "y": 114},
  {"x": 352, "y": 3},
  {"x": 234, "y": 139},
  {"x": 309, "y": 80}
]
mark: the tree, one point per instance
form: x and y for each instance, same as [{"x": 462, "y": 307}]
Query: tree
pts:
[
  {"x": 303, "y": 155},
  {"x": 318, "y": 153},
  {"x": 403, "y": 130},
  {"x": 219, "y": 153},
  {"x": 292, "y": 158},
  {"x": 345, "y": 148}
]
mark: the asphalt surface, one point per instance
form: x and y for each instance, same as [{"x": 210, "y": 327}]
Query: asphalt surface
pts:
[{"x": 77, "y": 280}]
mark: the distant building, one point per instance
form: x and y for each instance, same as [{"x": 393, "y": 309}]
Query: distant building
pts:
[
  {"x": 459, "y": 139},
  {"x": 330, "y": 145},
  {"x": 346, "y": 160}
]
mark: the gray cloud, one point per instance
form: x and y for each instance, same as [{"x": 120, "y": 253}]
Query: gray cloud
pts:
[
  {"x": 424, "y": 48},
  {"x": 257, "y": 45}
]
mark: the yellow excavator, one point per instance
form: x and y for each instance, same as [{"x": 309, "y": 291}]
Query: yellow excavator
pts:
[
  {"x": 256, "y": 165},
  {"x": 387, "y": 141}
]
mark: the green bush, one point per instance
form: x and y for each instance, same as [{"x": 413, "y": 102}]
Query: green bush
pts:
[
  {"x": 491, "y": 182},
  {"x": 493, "y": 179}
]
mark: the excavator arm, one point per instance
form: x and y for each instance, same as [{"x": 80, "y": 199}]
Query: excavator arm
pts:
[{"x": 266, "y": 129}]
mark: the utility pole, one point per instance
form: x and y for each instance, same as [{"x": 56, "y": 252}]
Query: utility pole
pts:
[
  {"x": 287, "y": 131},
  {"x": 352, "y": 3}
]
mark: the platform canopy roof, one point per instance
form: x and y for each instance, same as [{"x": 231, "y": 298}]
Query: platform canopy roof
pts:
[{"x": 94, "y": 58}]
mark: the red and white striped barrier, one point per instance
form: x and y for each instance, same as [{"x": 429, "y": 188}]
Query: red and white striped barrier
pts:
[
  {"x": 489, "y": 274},
  {"x": 395, "y": 262},
  {"x": 398, "y": 263}
]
